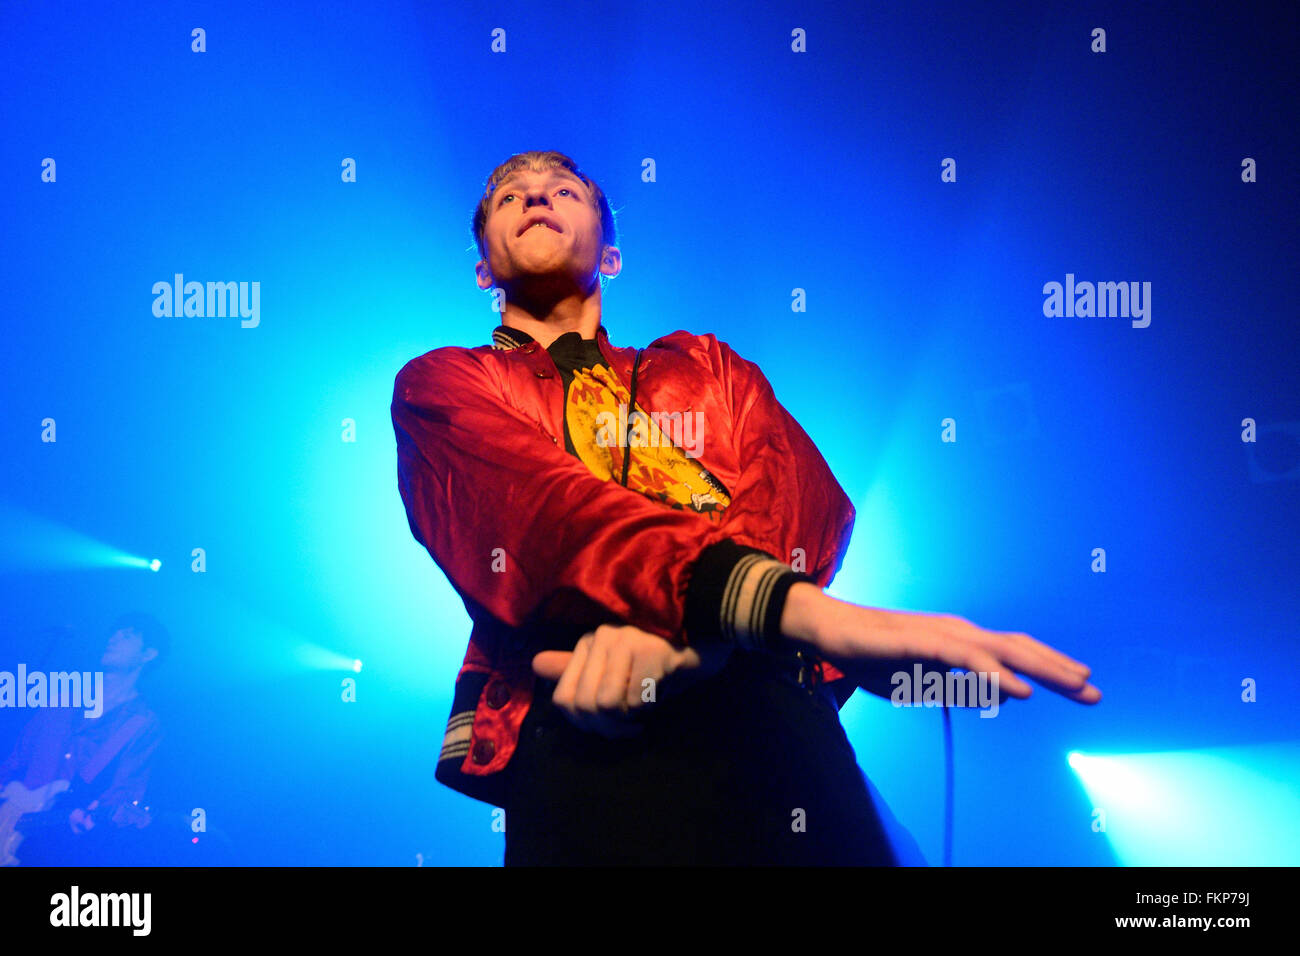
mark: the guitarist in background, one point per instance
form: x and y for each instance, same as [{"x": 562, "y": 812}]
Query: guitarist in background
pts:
[{"x": 93, "y": 769}]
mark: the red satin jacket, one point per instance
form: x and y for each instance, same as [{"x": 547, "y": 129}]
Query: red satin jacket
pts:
[{"x": 541, "y": 550}]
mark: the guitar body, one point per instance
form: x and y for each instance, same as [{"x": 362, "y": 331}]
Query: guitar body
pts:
[{"x": 18, "y": 803}]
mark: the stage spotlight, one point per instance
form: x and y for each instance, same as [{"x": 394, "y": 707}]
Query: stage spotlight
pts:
[
  {"x": 1230, "y": 806},
  {"x": 315, "y": 657},
  {"x": 31, "y": 542},
  {"x": 131, "y": 561}
]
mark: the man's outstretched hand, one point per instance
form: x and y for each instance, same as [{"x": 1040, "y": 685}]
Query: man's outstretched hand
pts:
[
  {"x": 602, "y": 680},
  {"x": 870, "y": 644}
]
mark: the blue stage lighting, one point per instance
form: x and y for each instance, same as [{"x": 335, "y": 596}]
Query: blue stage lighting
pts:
[{"x": 1230, "y": 806}]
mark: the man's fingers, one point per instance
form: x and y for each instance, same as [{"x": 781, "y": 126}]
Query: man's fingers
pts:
[
  {"x": 1087, "y": 694},
  {"x": 1064, "y": 659},
  {"x": 574, "y": 695},
  {"x": 1027, "y": 659},
  {"x": 1019, "y": 649},
  {"x": 600, "y": 684},
  {"x": 550, "y": 665},
  {"x": 1007, "y": 677},
  {"x": 644, "y": 668},
  {"x": 686, "y": 659},
  {"x": 1016, "y": 653},
  {"x": 564, "y": 690},
  {"x": 674, "y": 674},
  {"x": 593, "y": 672},
  {"x": 950, "y": 651},
  {"x": 1071, "y": 673},
  {"x": 1054, "y": 670},
  {"x": 950, "y": 648},
  {"x": 609, "y": 696}
]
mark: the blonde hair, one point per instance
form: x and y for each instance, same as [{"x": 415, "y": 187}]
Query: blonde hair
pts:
[{"x": 538, "y": 161}]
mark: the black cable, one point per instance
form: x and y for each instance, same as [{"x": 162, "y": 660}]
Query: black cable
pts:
[{"x": 631, "y": 412}]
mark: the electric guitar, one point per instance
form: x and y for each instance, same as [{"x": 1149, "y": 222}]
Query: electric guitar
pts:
[
  {"x": 44, "y": 813},
  {"x": 19, "y": 802}
]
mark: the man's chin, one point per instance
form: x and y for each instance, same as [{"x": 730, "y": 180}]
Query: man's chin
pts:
[{"x": 544, "y": 285}]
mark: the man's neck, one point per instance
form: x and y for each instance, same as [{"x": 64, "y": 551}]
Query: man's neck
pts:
[
  {"x": 119, "y": 687},
  {"x": 581, "y": 315}
]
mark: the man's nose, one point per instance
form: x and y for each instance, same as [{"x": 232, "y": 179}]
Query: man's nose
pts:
[{"x": 538, "y": 198}]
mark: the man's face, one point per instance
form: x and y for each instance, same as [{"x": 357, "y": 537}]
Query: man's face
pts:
[
  {"x": 542, "y": 236},
  {"x": 126, "y": 651}
]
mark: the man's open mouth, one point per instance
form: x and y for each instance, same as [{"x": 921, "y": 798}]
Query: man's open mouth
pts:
[{"x": 542, "y": 222}]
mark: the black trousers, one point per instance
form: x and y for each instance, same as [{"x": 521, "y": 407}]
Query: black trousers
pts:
[{"x": 744, "y": 768}]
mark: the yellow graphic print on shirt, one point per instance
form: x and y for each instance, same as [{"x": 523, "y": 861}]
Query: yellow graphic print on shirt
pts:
[{"x": 660, "y": 469}]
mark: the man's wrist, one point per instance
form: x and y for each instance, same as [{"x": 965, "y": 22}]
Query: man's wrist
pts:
[{"x": 804, "y": 612}]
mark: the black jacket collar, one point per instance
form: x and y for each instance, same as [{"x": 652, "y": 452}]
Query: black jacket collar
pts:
[{"x": 505, "y": 337}]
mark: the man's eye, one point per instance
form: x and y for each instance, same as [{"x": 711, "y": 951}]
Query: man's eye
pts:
[{"x": 562, "y": 189}]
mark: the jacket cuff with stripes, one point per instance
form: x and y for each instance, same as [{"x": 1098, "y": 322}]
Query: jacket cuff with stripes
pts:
[{"x": 736, "y": 594}]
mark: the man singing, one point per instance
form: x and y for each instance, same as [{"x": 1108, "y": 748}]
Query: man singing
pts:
[{"x": 642, "y": 538}]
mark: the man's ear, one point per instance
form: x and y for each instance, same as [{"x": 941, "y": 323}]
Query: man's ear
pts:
[
  {"x": 483, "y": 275},
  {"x": 148, "y": 655},
  {"x": 611, "y": 261}
]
